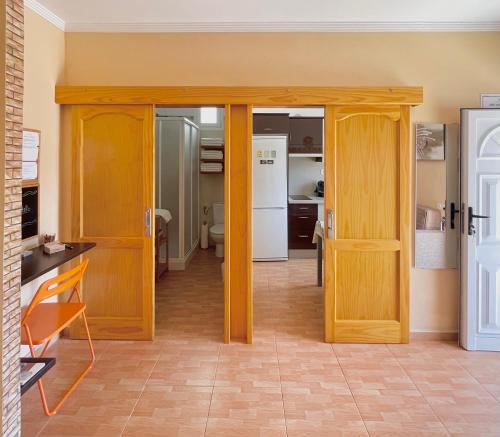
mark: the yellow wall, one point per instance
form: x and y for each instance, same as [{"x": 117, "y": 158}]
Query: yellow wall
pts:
[
  {"x": 453, "y": 68},
  {"x": 43, "y": 68}
]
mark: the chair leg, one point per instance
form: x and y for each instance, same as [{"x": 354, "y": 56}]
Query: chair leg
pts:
[{"x": 46, "y": 409}]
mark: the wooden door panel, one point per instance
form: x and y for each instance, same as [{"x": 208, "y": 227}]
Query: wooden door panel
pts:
[
  {"x": 367, "y": 189},
  {"x": 103, "y": 261},
  {"x": 373, "y": 295},
  {"x": 112, "y": 188},
  {"x": 102, "y": 162},
  {"x": 367, "y": 177}
]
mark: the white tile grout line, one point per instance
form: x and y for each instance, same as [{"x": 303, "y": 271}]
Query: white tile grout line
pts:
[
  {"x": 421, "y": 394},
  {"x": 349, "y": 386},
  {"x": 213, "y": 388},
  {"x": 140, "y": 394},
  {"x": 281, "y": 385}
]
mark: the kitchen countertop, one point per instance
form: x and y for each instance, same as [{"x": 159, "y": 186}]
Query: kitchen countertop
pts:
[{"x": 312, "y": 199}]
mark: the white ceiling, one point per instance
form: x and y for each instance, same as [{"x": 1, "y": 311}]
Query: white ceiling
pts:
[{"x": 270, "y": 15}]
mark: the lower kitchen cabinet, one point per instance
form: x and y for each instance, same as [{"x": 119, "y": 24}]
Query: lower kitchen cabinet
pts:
[{"x": 302, "y": 219}]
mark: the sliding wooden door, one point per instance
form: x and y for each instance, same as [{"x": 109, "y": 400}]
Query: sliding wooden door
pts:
[
  {"x": 367, "y": 207},
  {"x": 112, "y": 201}
]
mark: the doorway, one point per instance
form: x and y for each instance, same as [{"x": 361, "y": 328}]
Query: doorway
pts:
[
  {"x": 189, "y": 213},
  {"x": 288, "y": 210}
]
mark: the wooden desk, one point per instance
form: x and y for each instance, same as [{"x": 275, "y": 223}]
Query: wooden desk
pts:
[{"x": 39, "y": 263}]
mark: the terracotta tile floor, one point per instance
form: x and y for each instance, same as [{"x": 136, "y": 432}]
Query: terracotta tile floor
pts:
[{"x": 289, "y": 383}]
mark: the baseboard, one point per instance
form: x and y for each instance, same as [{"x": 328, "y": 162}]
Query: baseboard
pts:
[
  {"x": 422, "y": 335},
  {"x": 182, "y": 263},
  {"x": 302, "y": 253}
]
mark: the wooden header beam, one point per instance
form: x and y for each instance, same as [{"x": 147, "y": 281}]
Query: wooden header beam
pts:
[{"x": 260, "y": 96}]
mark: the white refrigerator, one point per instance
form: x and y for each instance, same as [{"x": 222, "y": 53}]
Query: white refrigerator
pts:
[{"x": 270, "y": 198}]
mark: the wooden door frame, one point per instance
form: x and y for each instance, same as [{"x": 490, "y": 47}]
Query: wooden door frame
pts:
[{"x": 238, "y": 103}]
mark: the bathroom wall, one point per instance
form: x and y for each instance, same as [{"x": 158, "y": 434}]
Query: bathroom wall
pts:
[{"x": 211, "y": 185}]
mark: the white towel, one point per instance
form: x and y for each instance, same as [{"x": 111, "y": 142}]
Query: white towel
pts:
[
  {"x": 212, "y": 154},
  {"x": 165, "y": 213},
  {"x": 212, "y": 142},
  {"x": 211, "y": 166}
]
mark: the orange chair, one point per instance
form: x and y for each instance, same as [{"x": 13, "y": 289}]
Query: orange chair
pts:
[{"x": 40, "y": 322}]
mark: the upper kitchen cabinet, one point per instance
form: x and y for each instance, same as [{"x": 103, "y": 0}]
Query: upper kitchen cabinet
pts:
[
  {"x": 271, "y": 124},
  {"x": 306, "y": 135}
]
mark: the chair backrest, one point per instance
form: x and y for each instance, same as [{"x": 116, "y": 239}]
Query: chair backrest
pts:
[{"x": 57, "y": 285}]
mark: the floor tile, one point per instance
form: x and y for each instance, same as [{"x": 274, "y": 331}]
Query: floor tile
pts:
[
  {"x": 288, "y": 383},
  {"x": 240, "y": 402},
  {"x": 397, "y": 411},
  {"x": 244, "y": 428}
]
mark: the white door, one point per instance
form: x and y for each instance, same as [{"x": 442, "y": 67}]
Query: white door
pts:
[{"x": 480, "y": 276}]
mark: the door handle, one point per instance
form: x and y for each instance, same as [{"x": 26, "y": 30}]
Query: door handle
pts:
[
  {"x": 471, "y": 230},
  {"x": 330, "y": 224},
  {"x": 453, "y": 212},
  {"x": 147, "y": 222}
]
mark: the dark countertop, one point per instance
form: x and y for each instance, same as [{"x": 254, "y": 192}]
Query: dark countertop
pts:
[{"x": 39, "y": 263}]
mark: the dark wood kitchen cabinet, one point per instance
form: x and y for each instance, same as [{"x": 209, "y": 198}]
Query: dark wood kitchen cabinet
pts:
[
  {"x": 306, "y": 135},
  {"x": 302, "y": 219},
  {"x": 272, "y": 124}
]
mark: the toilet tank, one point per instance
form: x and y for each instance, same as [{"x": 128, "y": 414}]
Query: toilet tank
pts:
[{"x": 218, "y": 211}]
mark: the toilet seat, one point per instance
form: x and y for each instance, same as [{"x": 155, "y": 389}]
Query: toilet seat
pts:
[{"x": 217, "y": 229}]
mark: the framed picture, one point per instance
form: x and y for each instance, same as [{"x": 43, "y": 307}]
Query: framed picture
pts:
[
  {"x": 490, "y": 101},
  {"x": 429, "y": 138}
]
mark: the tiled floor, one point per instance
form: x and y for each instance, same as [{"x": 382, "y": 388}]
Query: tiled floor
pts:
[{"x": 289, "y": 383}]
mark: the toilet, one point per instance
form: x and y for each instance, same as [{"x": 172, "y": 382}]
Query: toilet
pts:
[{"x": 217, "y": 229}]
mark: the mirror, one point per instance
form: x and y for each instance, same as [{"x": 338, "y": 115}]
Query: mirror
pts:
[{"x": 437, "y": 219}]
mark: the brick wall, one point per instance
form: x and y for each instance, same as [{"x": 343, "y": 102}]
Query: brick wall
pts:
[{"x": 14, "y": 37}]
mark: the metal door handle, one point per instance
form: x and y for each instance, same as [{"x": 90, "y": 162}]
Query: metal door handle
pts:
[
  {"x": 303, "y": 236},
  {"x": 471, "y": 230},
  {"x": 453, "y": 212},
  {"x": 330, "y": 224},
  {"x": 147, "y": 222},
  {"x": 303, "y": 217}
]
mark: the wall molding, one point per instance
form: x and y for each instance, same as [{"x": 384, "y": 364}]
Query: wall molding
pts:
[
  {"x": 45, "y": 13},
  {"x": 284, "y": 26},
  {"x": 352, "y": 26}
]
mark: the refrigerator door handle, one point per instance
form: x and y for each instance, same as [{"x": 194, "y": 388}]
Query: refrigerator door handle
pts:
[{"x": 330, "y": 224}]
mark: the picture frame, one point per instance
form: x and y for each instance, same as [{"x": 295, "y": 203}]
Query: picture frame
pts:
[{"x": 429, "y": 141}]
